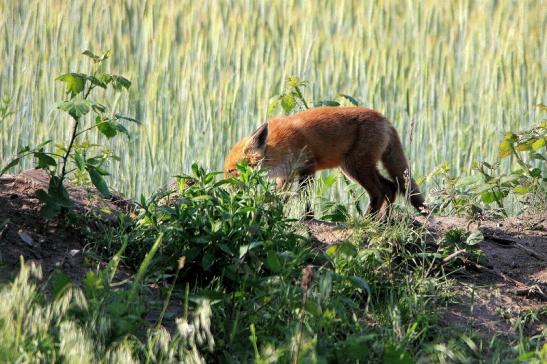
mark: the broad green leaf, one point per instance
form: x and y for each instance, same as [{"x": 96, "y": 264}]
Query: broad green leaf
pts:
[
  {"x": 274, "y": 104},
  {"x": 103, "y": 77},
  {"x": 61, "y": 282},
  {"x": 44, "y": 160},
  {"x": 74, "y": 82},
  {"x": 537, "y": 156},
  {"x": 288, "y": 102},
  {"x": 347, "y": 249},
  {"x": 474, "y": 238},
  {"x": 98, "y": 181},
  {"x": 521, "y": 190},
  {"x": 536, "y": 172},
  {"x": 96, "y": 162},
  {"x": 97, "y": 107},
  {"x": 53, "y": 200},
  {"x": 120, "y": 82},
  {"x": 226, "y": 249},
  {"x": 489, "y": 196},
  {"x": 50, "y": 209},
  {"x": 326, "y": 103},
  {"x": 42, "y": 196},
  {"x": 76, "y": 108},
  {"x": 216, "y": 226},
  {"x": 58, "y": 192},
  {"x": 106, "y": 128},
  {"x": 125, "y": 117},
  {"x": 331, "y": 250},
  {"x": 538, "y": 144},
  {"x": 273, "y": 262},
  {"x": 78, "y": 160},
  {"x": 505, "y": 149},
  {"x": 523, "y": 147},
  {"x": 244, "y": 249},
  {"x": 11, "y": 164},
  {"x": 99, "y": 169},
  {"x": 352, "y": 100},
  {"x": 294, "y": 82},
  {"x": 94, "y": 80},
  {"x": 329, "y": 181},
  {"x": 122, "y": 129},
  {"x": 91, "y": 55},
  {"x": 360, "y": 283}
]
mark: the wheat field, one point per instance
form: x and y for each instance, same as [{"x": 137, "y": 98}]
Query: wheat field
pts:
[{"x": 451, "y": 75}]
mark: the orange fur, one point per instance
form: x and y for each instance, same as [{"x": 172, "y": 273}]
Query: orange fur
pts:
[{"x": 352, "y": 138}]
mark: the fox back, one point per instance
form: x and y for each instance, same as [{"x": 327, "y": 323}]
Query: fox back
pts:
[{"x": 352, "y": 138}]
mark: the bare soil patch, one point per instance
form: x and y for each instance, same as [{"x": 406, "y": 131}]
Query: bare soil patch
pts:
[
  {"x": 51, "y": 244},
  {"x": 511, "y": 281}
]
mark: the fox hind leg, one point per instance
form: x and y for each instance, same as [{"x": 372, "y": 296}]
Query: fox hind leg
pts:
[
  {"x": 390, "y": 190},
  {"x": 368, "y": 177}
]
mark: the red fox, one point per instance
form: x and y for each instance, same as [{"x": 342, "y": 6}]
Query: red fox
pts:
[{"x": 352, "y": 138}]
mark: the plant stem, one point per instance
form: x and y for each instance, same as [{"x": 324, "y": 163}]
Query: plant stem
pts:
[
  {"x": 498, "y": 201},
  {"x": 68, "y": 150},
  {"x": 167, "y": 299},
  {"x": 186, "y": 300},
  {"x": 73, "y": 138},
  {"x": 297, "y": 89}
]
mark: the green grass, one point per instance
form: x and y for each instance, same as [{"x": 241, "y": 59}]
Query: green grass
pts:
[
  {"x": 254, "y": 286},
  {"x": 459, "y": 72}
]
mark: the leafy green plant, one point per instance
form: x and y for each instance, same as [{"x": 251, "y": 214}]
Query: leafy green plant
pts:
[
  {"x": 293, "y": 99},
  {"x": 472, "y": 194},
  {"x": 451, "y": 193},
  {"x": 223, "y": 227},
  {"x": 72, "y": 156}
]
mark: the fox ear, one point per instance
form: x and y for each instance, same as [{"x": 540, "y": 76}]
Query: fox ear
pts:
[{"x": 257, "y": 141}]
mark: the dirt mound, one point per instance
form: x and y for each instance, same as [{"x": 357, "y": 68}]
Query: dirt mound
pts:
[{"x": 23, "y": 232}]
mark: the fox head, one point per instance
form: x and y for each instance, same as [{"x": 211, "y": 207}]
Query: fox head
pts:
[{"x": 251, "y": 149}]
